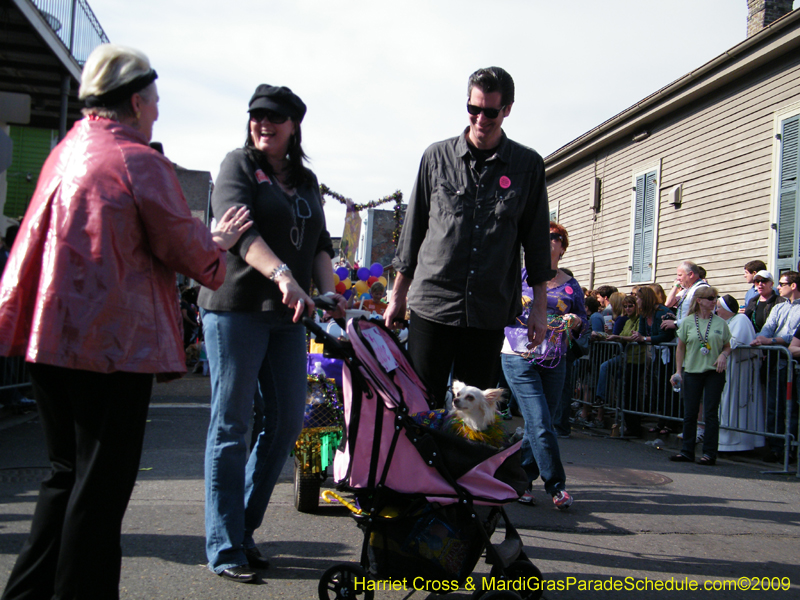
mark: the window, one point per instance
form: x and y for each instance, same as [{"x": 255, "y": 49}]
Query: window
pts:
[
  {"x": 789, "y": 169},
  {"x": 643, "y": 225}
]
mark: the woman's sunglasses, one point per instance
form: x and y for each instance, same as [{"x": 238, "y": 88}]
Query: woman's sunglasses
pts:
[
  {"x": 556, "y": 237},
  {"x": 270, "y": 115},
  {"x": 491, "y": 113}
]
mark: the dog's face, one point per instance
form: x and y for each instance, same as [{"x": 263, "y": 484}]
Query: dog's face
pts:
[{"x": 476, "y": 408}]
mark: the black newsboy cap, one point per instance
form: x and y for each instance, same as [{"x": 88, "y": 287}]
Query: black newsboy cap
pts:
[{"x": 280, "y": 99}]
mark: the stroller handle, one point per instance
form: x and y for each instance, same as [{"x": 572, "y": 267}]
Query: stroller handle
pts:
[{"x": 326, "y": 303}]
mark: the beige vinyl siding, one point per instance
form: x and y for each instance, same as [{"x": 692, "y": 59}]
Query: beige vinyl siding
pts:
[{"x": 720, "y": 150}]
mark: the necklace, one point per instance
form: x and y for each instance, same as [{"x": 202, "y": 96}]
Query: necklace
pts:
[
  {"x": 301, "y": 211},
  {"x": 706, "y": 348}
]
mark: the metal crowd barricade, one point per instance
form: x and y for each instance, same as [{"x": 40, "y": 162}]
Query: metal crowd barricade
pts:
[
  {"x": 586, "y": 371},
  {"x": 758, "y": 378},
  {"x": 646, "y": 388},
  {"x": 774, "y": 393},
  {"x": 13, "y": 374}
]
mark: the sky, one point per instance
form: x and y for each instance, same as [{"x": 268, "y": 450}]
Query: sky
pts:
[{"x": 384, "y": 80}]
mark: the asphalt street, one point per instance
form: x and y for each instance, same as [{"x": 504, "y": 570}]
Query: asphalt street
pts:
[{"x": 637, "y": 519}]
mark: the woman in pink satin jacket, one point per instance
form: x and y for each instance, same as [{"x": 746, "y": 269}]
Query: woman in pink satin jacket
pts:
[{"x": 89, "y": 297}]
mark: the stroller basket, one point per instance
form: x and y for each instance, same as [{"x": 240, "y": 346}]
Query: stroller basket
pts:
[{"x": 427, "y": 540}]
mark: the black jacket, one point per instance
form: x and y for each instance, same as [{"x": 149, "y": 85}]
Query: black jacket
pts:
[{"x": 750, "y": 309}]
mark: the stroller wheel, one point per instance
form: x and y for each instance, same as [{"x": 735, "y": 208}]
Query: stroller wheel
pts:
[
  {"x": 306, "y": 489},
  {"x": 339, "y": 583},
  {"x": 520, "y": 570}
]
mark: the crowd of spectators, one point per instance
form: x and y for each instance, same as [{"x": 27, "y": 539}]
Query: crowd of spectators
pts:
[{"x": 651, "y": 325}]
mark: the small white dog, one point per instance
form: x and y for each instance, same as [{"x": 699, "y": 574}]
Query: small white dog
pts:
[{"x": 474, "y": 413}]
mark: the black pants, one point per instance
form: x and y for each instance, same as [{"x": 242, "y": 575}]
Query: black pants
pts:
[
  {"x": 705, "y": 388},
  {"x": 471, "y": 353},
  {"x": 94, "y": 428}
]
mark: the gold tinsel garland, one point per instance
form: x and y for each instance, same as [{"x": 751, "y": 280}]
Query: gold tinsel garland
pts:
[
  {"x": 397, "y": 198},
  {"x": 316, "y": 446}
]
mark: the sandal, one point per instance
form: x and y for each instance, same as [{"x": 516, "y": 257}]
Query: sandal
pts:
[
  {"x": 707, "y": 461},
  {"x": 665, "y": 431}
]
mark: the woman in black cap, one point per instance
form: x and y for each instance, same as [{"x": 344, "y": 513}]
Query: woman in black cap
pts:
[{"x": 254, "y": 340}]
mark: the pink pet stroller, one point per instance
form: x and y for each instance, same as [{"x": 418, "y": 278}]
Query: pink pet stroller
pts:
[{"x": 428, "y": 501}]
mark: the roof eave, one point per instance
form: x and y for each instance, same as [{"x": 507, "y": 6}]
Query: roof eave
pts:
[{"x": 728, "y": 66}]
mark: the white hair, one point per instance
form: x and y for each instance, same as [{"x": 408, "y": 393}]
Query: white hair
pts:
[{"x": 108, "y": 67}]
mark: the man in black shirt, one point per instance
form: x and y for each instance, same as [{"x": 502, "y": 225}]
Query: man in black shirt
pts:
[
  {"x": 477, "y": 198},
  {"x": 759, "y": 307}
]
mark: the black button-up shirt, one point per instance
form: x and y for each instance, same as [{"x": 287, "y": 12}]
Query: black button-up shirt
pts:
[{"x": 461, "y": 238}]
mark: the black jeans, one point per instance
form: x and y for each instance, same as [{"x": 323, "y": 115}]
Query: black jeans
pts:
[
  {"x": 705, "y": 387},
  {"x": 94, "y": 428},
  {"x": 437, "y": 349}
]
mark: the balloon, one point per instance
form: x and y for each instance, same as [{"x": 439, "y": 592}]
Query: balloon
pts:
[
  {"x": 365, "y": 296},
  {"x": 376, "y": 269},
  {"x": 340, "y": 289},
  {"x": 336, "y": 279},
  {"x": 343, "y": 273},
  {"x": 363, "y": 273},
  {"x": 361, "y": 287},
  {"x": 347, "y": 283},
  {"x": 382, "y": 280},
  {"x": 347, "y": 294},
  {"x": 371, "y": 280}
]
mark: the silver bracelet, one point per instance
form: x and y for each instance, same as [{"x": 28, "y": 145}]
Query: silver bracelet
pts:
[{"x": 279, "y": 270}]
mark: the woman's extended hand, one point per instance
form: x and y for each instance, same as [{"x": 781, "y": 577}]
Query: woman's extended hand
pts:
[
  {"x": 294, "y": 297},
  {"x": 231, "y": 226},
  {"x": 574, "y": 321}
]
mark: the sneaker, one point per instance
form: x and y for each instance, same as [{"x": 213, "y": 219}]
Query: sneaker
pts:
[
  {"x": 562, "y": 500},
  {"x": 576, "y": 405},
  {"x": 527, "y": 498},
  {"x": 701, "y": 433}
]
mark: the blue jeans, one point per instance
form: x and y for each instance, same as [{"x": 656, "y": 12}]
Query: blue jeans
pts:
[
  {"x": 705, "y": 387},
  {"x": 538, "y": 390},
  {"x": 615, "y": 365},
  {"x": 246, "y": 350}
]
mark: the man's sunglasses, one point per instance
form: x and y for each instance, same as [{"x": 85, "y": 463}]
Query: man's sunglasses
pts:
[
  {"x": 272, "y": 116},
  {"x": 491, "y": 113}
]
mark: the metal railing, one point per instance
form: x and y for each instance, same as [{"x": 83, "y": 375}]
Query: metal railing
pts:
[
  {"x": 758, "y": 399},
  {"x": 75, "y": 24},
  {"x": 13, "y": 375}
]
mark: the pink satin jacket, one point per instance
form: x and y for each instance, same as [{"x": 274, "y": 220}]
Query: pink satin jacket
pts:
[{"x": 90, "y": 282}]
